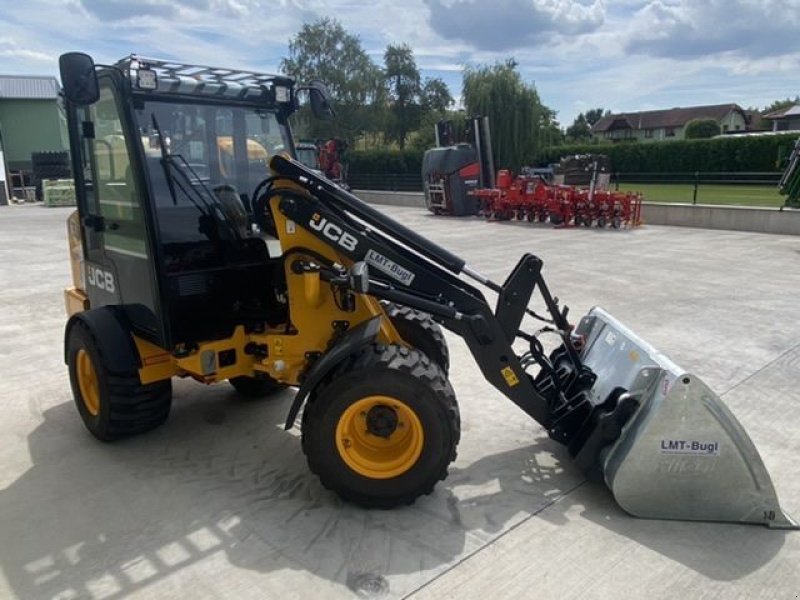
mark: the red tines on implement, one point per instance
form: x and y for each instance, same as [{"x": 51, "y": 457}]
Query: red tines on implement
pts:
[{"x": 532, "y": 199}]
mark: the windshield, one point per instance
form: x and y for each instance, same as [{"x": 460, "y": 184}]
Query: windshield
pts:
[
  {"x": 220, "y": 148},
  {"x": 223, "y": 144}
]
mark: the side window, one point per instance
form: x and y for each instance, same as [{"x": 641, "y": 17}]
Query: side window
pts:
[
  {"x": 118, "y": 198},
  {"x": 263, "y": 128}
]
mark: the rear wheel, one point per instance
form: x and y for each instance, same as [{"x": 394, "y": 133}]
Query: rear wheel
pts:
[
  {"x": 256, "y": 387},
  {"x": 383, "y": 428},
  {"x": 421, "y": 332},
  {"x": 114, "y": 404}
]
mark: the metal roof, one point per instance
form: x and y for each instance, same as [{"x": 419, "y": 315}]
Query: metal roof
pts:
[
  {"x": 784, "y": 113},
  {"x": 29, "y": 87}
]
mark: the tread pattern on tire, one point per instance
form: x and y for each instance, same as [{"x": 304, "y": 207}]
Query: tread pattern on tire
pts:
[
  {"x": 133, "y": 407},
  {"x": 393, "y": 357},
  {"x": 399, "y": 314}
]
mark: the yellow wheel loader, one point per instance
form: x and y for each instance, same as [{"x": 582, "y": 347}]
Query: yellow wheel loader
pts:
[{"x": 195, "y": 256}]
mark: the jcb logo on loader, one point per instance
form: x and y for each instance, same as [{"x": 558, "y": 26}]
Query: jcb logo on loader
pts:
[
  {"x": 102, "y": 280},
  {"x": 333, "y": 232}
]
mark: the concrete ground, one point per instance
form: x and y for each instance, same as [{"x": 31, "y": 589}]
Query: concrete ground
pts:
[{"x": 219, "y": 502}]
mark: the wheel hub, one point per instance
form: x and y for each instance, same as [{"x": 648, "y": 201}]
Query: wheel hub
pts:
[
  {"x": 382, "y": 421},
  {"x": 379, "y": 437}
]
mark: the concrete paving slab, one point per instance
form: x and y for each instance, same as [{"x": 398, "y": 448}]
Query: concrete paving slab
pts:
[{"x": 218, "y": 503}]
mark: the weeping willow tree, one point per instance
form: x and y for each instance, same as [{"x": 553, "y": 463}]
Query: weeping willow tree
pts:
[{"x": 521, "y": 125}]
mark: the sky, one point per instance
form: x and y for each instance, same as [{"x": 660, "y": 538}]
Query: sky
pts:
[{"x": 623, "y": 55}]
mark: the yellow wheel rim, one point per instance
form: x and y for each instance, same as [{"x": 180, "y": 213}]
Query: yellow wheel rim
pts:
[
  {"x": 379, "y": 456},
  {"x": 87, "y": 382}
]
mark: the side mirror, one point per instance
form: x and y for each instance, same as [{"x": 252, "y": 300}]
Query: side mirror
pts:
[
  {"x": 78, "y": 78},
  {"x": 320, "y": 98}
]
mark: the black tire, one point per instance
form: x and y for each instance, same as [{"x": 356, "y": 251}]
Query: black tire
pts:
[
  {"x": 256, "y": 387},
  {"x": 407, "y": 376},
  {"x": 421, "y": 331},
  {"x": 126, "y": 407}
]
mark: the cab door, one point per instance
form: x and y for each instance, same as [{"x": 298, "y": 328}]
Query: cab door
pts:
[{"x": 119, "y": 265}]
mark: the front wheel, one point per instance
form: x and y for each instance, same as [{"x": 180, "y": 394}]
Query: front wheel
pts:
[{"x": 383, "y": 428}]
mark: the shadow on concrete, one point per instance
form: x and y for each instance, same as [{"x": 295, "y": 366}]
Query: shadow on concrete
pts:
[
  {"x": 719, "y": 551},
  {"x": 222, "y": 480}
]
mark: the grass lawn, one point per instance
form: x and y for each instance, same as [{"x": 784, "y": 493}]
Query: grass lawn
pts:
[{"x": 739, "y": 195}]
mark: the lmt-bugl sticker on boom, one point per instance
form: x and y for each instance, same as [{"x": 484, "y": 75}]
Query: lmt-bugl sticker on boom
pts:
[{"x": 391, "y": 268}]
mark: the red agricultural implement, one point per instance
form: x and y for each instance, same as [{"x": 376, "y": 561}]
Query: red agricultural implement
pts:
[{"x": 526, "y": 198}]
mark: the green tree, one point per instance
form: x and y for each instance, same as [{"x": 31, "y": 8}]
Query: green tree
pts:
[
  {"x": 325, "y": 50},
  {"x": 521, "y": 124},
  {"x": 436, "y": 101},
  {"x": 595, "y": 114},
  {"x": 404, "y": 87},
  {"x": 436, "y": 97},
  {"x": 580, "y": 130},
  {"x": 701, "y": 128}
]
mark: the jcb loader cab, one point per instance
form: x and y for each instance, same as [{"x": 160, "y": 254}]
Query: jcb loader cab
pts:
[{"x": 202, "y": 249}]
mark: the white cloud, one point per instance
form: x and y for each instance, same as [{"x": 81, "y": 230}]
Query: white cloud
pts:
[
  {"x": 619, "y": 54},
  {"x": 25, "y": 54},
  {"x": 687, "y": 28},
  {"x": 10, "y": 48},
  {"x": 510, "y": 24}
]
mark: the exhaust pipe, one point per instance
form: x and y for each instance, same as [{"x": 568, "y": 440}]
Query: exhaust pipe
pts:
[{"x": 683, "y": 454}]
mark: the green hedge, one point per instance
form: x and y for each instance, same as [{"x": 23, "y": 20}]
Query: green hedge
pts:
[
  {"x": 733, "y": 154},
  {"x": 385, "y": 161}
]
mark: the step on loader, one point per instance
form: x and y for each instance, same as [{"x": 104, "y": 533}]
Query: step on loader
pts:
[{"x": 202, "y": 249}]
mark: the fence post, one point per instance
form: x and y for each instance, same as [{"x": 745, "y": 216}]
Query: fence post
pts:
[{"x": 696, "y": 184}]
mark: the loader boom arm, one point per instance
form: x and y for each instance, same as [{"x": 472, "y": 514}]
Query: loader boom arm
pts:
[{"x": 406, "y": 268}]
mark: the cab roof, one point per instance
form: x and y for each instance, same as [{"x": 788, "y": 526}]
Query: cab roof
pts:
[{"x": 173, "y": 77}]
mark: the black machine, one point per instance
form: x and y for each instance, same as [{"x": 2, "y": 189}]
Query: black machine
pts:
[{"x": 451, "y": 171}]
